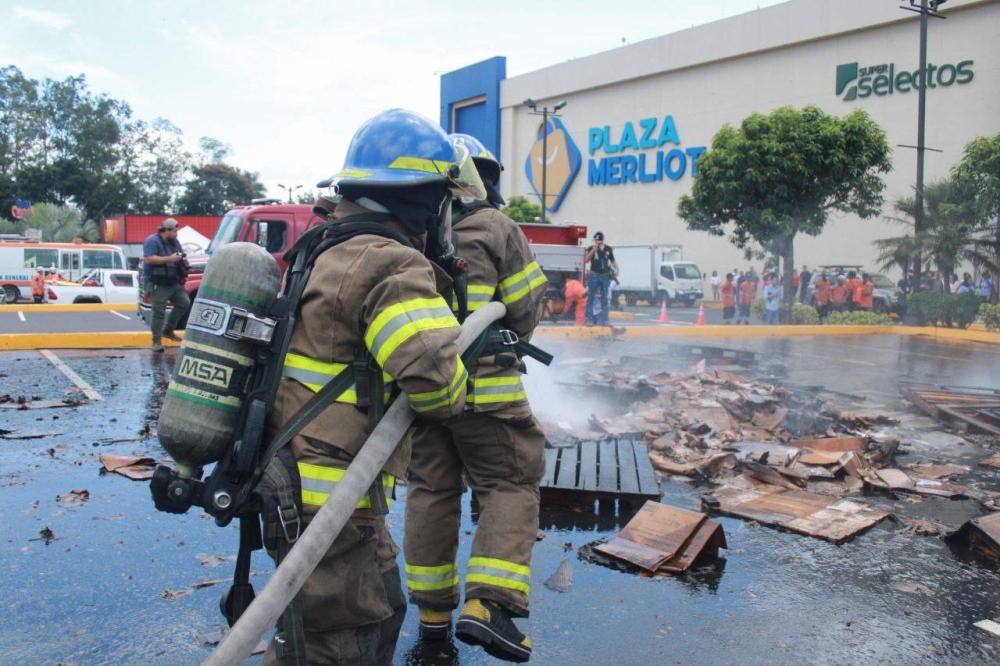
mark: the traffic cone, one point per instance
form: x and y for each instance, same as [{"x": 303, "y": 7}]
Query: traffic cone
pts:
[
  {"x": 663, "y": 314},
  {"x": 701, "y": 317}
]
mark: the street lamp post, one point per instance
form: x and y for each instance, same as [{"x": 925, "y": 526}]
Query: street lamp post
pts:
[
  {"x": 544, "y": 113},
  {"x": 289, "y": 190},
  {"x": 925, "y": 8}
]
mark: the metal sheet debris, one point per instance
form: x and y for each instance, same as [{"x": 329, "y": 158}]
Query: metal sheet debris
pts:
[
  {"x": 982, "y": 534},
  {"x": 135, "y": 468},
  {"x": 966, "y": 409},
  {"x": 666, "y": 539},
  {"x": 796, "y": 510}
]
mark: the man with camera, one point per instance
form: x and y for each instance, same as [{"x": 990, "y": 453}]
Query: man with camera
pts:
[{"x": 164, "y": 269}]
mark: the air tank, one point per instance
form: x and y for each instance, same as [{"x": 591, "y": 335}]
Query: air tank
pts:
[{"x": 214, "y": 372}]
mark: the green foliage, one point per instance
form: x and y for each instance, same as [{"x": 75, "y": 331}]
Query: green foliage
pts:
[
  {"x": 858, "y": 318},
  {"x": 802, "y": 315},
  {"x": 216, "y": 188},
  {"x": 782, "y": 174},
  {"x": 58, "y": 224},
  {"x": 990, "y": 314},
  {"x": 940, "y": 309},
  {"x": 977, "y": 177},
  {"x": 520, "y": 209}
]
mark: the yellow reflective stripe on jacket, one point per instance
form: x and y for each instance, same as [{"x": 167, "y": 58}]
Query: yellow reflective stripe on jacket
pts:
[
  {"x": 431, "y": 400},
  {"x": 398, "y": 323},
  {"x": 500, "y": 573},
  {"x": 478, "y": 296},
  {"x": 314, "y": 375},
  {"x": 520, "y": 284},
  {"x": 426, "y": 579},
  {"x": 318, "y": 482},
  {"x": 439, "y": 167},
  {"x": 496, "y": 389}
]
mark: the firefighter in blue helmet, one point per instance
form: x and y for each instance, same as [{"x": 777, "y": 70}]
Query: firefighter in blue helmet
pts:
[
  {"x": 372, "y": 304},
  {"x": 496, "y": 441}
]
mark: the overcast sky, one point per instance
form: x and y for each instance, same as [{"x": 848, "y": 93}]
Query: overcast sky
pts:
[{"x": 287, "y": 83}]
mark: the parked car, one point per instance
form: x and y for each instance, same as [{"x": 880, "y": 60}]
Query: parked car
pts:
[{"x": 99, "y": 285}]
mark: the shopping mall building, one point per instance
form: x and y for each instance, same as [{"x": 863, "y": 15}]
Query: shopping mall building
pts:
[{"x": 625, "y": 146}]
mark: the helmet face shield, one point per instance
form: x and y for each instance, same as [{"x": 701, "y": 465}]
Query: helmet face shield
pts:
[{"x": 463, "y": 177}]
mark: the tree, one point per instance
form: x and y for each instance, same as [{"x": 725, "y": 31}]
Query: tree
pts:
[
  {"x": 214, "y": 151},
  {"x": 780, "y": 175},
  {"x": 216, "y": 188},
  {"x": 952, "y": 234},
  {"x": 977, "y": 177},
  {"x": 520, "y": 209},
  {"x": 58, "y": 224},
  {"x": 306, "y": 197}
]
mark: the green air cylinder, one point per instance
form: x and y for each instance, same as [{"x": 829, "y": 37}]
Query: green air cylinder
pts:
[{"x": 213, "y": 372}]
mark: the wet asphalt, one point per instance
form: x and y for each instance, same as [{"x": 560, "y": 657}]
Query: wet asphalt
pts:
[{"x": 92, "y": 595}]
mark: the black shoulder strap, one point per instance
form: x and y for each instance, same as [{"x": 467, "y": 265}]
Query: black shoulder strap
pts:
[{"x": 465, "y": 210}]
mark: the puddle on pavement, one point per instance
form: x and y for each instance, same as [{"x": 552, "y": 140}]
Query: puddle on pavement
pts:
[{"x": 94, "y": 591}]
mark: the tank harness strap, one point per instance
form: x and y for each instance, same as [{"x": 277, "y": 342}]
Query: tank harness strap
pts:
[
  {"x": 280, "y": 535},
  {"x": 241, "y": 594},
  {"x": 496, "y": 340}
]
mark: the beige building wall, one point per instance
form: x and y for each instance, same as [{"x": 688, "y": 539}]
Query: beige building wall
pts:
[{"x": 719, "y": 73}]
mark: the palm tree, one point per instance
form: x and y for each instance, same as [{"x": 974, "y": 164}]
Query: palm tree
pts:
[{"x": 951, "y": 235}]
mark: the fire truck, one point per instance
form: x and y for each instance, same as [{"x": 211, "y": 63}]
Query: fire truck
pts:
[{"x": 276, "y": 226}]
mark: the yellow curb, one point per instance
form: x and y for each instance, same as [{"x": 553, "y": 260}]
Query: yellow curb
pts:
[
  {"x": 667, "y": 331},
  {"x": 70, "y": 307},
  {"x": 614, "y": 314},
  {"x": 28, "y": 341},
  {"x": 710, "y": 305}
]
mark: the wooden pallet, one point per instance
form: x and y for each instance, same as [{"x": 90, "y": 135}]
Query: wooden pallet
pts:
[
  {"x": 613, "y": 469},
  {"x": 966, "y": 409}
]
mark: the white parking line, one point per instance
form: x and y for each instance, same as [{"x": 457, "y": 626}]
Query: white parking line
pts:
[
  {"x": 989, "y": 625},
  {"x": 21, "y": 315},
  {"x": 73, "y": 377},
  {"x": 119, "y": 314}
]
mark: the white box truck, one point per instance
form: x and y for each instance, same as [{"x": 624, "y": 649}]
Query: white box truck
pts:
[{"x": 655, "y": 273}]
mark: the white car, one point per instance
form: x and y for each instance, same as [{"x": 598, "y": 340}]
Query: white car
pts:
[{"x": 99, "y": 285}]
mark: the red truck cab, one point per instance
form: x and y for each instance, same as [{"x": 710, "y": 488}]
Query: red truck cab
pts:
[{"x": 285, "y": 223}]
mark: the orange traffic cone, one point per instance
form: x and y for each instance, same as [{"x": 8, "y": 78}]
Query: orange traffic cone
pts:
[
  {"x": 700, "y": 321},
  {"x": 663, "y": 314}
]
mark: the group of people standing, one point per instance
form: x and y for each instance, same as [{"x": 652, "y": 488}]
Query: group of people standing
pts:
[{"x": 41, "y": 278}]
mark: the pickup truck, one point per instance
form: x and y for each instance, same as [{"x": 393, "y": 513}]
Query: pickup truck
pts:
[{"x": 99, "y": 285}]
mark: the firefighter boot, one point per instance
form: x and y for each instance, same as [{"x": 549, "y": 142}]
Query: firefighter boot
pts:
[
  {"x": 486, "y": 623},
  {"x": 434, "y": 624}
]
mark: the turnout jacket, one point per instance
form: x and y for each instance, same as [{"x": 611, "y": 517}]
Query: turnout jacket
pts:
[
  {"x": 502, "y": 268},
  {"x": 372, "y": 293}
]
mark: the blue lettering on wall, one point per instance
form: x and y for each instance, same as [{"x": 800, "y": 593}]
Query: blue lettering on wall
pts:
[{"x": 646, "y": 167}]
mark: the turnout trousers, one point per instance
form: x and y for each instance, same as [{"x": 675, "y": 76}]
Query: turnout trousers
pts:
[
  {"x": 505, "y": 461},
  {"x": 352, "y": 604}
]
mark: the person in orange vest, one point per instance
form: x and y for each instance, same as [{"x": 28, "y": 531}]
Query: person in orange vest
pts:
[
  {"x": 865, "y": 290},
  {"x": 576, "y": 296},
  {"x": 38, "y": 287},
  {"x": 823, "y": 290},
  {"x": 853, "y": 290},
  {"x": 838, "y": 295},
  {"x": 728, "y": 291},
  {"x": 748, "y": 291}
]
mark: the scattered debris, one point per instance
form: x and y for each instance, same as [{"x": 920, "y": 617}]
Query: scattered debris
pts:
[
  {"x": 795, "y": 510},
  {"x": 210, "y": 583},
  {"x": 562, "y": 579},
  {"x": 214, "y": 638},
  {"x": 981, "y": 534},
  {"x": 898, "y": 480},
  {"x": 135, "y": 468},
  {"x": 923, "y": 527},
  {"x": 8, "y": 434},
  {"x": 46, "y": 535},
  {"x": 666, "y": 539},
  {"x": 73, "y": 498},
  {"x": 935, "y": 470},
  {"x": 6, "y": 402},
  {"x": 210, "y": 560},
  {"x": 608, "y": 469},
  {"x": 173, "y": 595}
]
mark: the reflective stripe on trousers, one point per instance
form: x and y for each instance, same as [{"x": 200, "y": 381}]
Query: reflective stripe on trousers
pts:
[
  {"x": 314, "y": 375},
  {"x": 429, "y": 579},
  {"x": 496, "y": 389},
  {"x": 319, "y": 481},
  {"x": 499, "y": 573}
]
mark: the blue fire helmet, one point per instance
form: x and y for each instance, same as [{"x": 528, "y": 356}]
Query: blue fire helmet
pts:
[
  {"x": 486, "y": 162},
  {"x": 400, "y": 148}
]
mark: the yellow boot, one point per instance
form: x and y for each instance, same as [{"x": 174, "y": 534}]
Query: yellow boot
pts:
[{"x": 487, "y": 623}]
